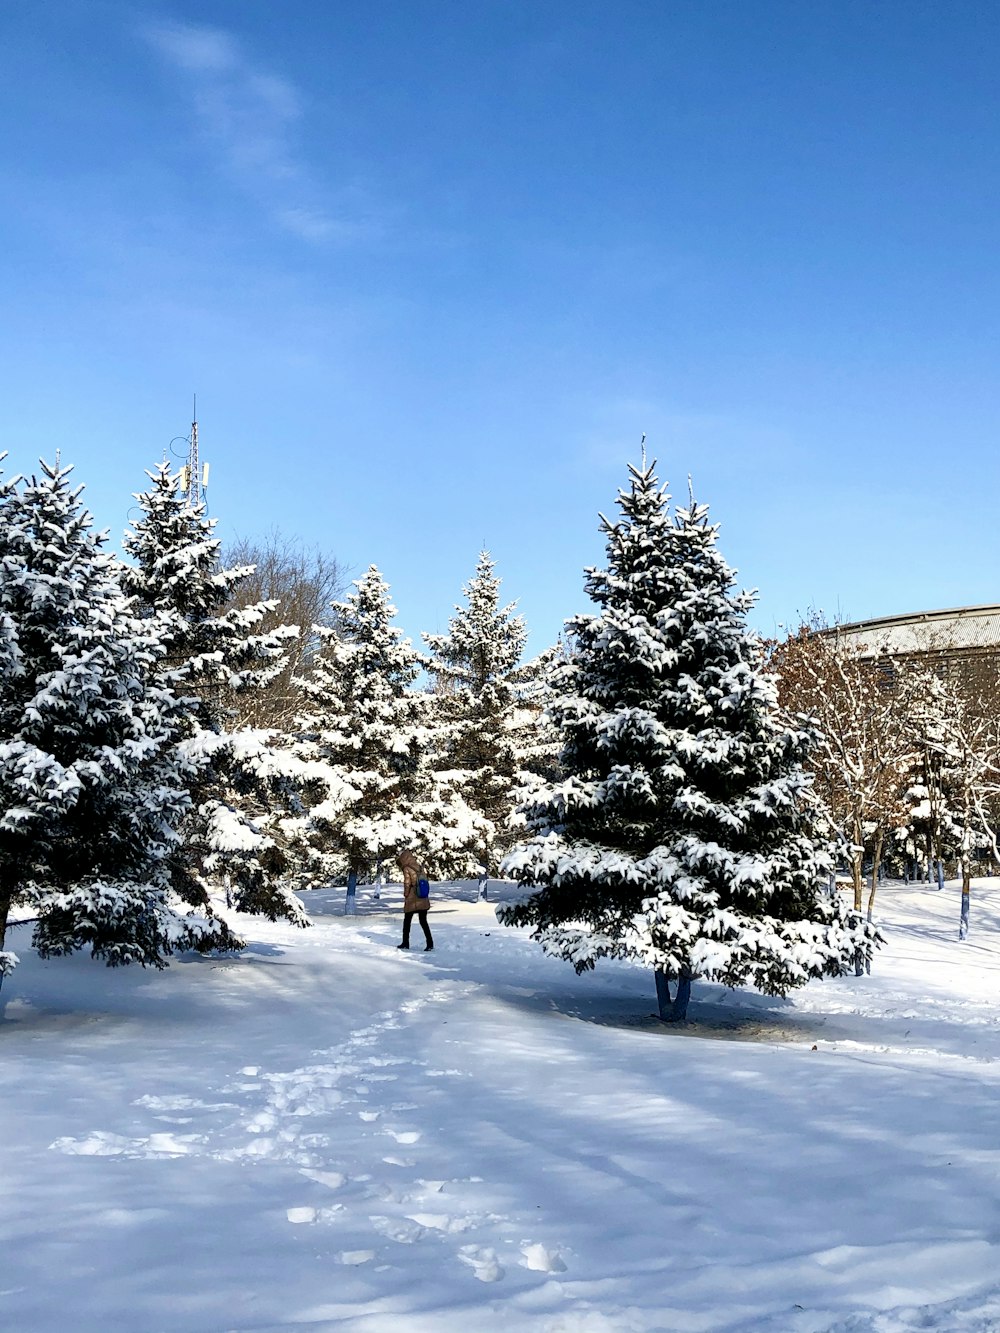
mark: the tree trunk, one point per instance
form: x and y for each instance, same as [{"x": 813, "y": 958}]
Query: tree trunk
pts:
[
  {"x": 963, "y": 925},
  {"x": 857, "y": 856},
  {"x": 350, "y": 906},
  {"x": 876, "y": 864},
  {"x": 6, "y": 902},
  {"x": 672, "y": 1010},
  {"x": 8, "y": 892}
]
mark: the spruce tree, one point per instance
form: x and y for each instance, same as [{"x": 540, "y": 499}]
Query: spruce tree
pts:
[
  {"x": 932, "y": 824},
  {"x": 958, "y": 741},
  {"x": 92, "y": 787},
  {"x": 241, "y": 782},
  {"x": 684, "y": 834},
  {"x": 489, "y": 706},
  {"x": 367, "y": 726}
]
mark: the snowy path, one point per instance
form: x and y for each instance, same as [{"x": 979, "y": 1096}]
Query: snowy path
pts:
[{"x": 327, "y": 1133}]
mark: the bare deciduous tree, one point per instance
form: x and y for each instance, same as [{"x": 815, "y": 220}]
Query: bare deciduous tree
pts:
[
  {"x": 960, "y": 740},
  {"x": 911, "y": 746},
  {"x": 864, "y": 761},
  {"x": 301, "y": 581}
]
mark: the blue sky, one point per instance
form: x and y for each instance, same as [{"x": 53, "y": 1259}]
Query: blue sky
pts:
[{"x": 434, "y": 266}]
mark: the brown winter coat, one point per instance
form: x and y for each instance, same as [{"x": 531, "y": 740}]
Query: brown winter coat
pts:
[{"x": 412, "y": 872}]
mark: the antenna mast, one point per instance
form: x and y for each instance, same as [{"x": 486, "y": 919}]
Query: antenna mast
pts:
[{"x": 194, "y": 474}]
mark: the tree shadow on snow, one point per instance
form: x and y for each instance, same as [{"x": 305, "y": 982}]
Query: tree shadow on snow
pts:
[
  {"x": 621, "y": 995},
  {"x": 710, "y": 1019}
]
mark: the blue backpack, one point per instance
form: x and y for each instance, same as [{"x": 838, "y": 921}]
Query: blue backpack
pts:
[{"x": 423, "y": 889}]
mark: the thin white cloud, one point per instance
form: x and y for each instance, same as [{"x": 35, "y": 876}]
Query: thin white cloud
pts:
[
  {"x": 199, "y": 49},
  {"x": 251, "y": 118}
]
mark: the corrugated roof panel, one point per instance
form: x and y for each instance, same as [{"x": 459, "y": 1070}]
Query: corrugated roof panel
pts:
[{"x": 966, "y": 628}]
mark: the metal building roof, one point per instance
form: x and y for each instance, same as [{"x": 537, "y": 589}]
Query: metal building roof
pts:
[{"x": 964, "y": 629}]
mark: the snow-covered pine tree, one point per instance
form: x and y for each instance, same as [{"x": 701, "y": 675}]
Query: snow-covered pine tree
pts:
[
  {"x": 930, "y": 828},
  {"x": 242, "y": 781},
  {"x": 683, "y": 835},
  {"x": 364, "y": 721},
  {"x": 92, "y": 788},
  {"x": 958, "y": 735},
  {"x": 10, "y": 666},
  {"x": 490, "y": 706}
]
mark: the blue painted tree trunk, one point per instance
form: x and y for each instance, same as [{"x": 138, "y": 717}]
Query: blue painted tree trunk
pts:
[
  {"x": 940, "y": 875},
  {"x": 859, "y": 961},
  {"x": 672, "y": 1009},
  {"x": 963, "y": 924},
  {"x": 351, "y": 905}
]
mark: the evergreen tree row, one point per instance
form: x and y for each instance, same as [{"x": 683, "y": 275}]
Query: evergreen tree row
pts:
[
  {"x": 129, "y": 796},
  {"x": 663, "y": 799}
]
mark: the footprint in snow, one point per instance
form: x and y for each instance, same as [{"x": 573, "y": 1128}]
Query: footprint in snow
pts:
[
  {"x": 122, "y": 1217},
  {"x": 387, "y": 1194},
  {"x": 98, "y": 1144},
  {"x": 404, "y": 1135},
  {"x": 182, "y": 1104},
  {"x": 333, "y": 1180},
  {"x": 102, "y": 1144},
  {"x": 355, "y": 1257},
  {"x": 443, "y": 1222},
  {"x": 483, "y": 1262},
  {"x": 540, "y": 1259},
  {"x": 404, "y": 1231},
  {"x": 170, "y": 1145},
  {"x": 306, "y": 1215}
]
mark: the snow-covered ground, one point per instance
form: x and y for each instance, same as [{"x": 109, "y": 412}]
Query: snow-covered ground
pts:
[{"x": 327, "y": 1133}]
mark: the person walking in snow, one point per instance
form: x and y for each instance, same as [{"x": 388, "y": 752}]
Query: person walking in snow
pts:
[{"x": 416, "y": 897}]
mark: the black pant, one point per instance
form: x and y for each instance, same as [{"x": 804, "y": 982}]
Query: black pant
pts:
[{"x": 407, "y": 918}]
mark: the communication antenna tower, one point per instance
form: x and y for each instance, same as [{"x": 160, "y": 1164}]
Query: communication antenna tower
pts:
[{"x": 194, "y": 473}]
